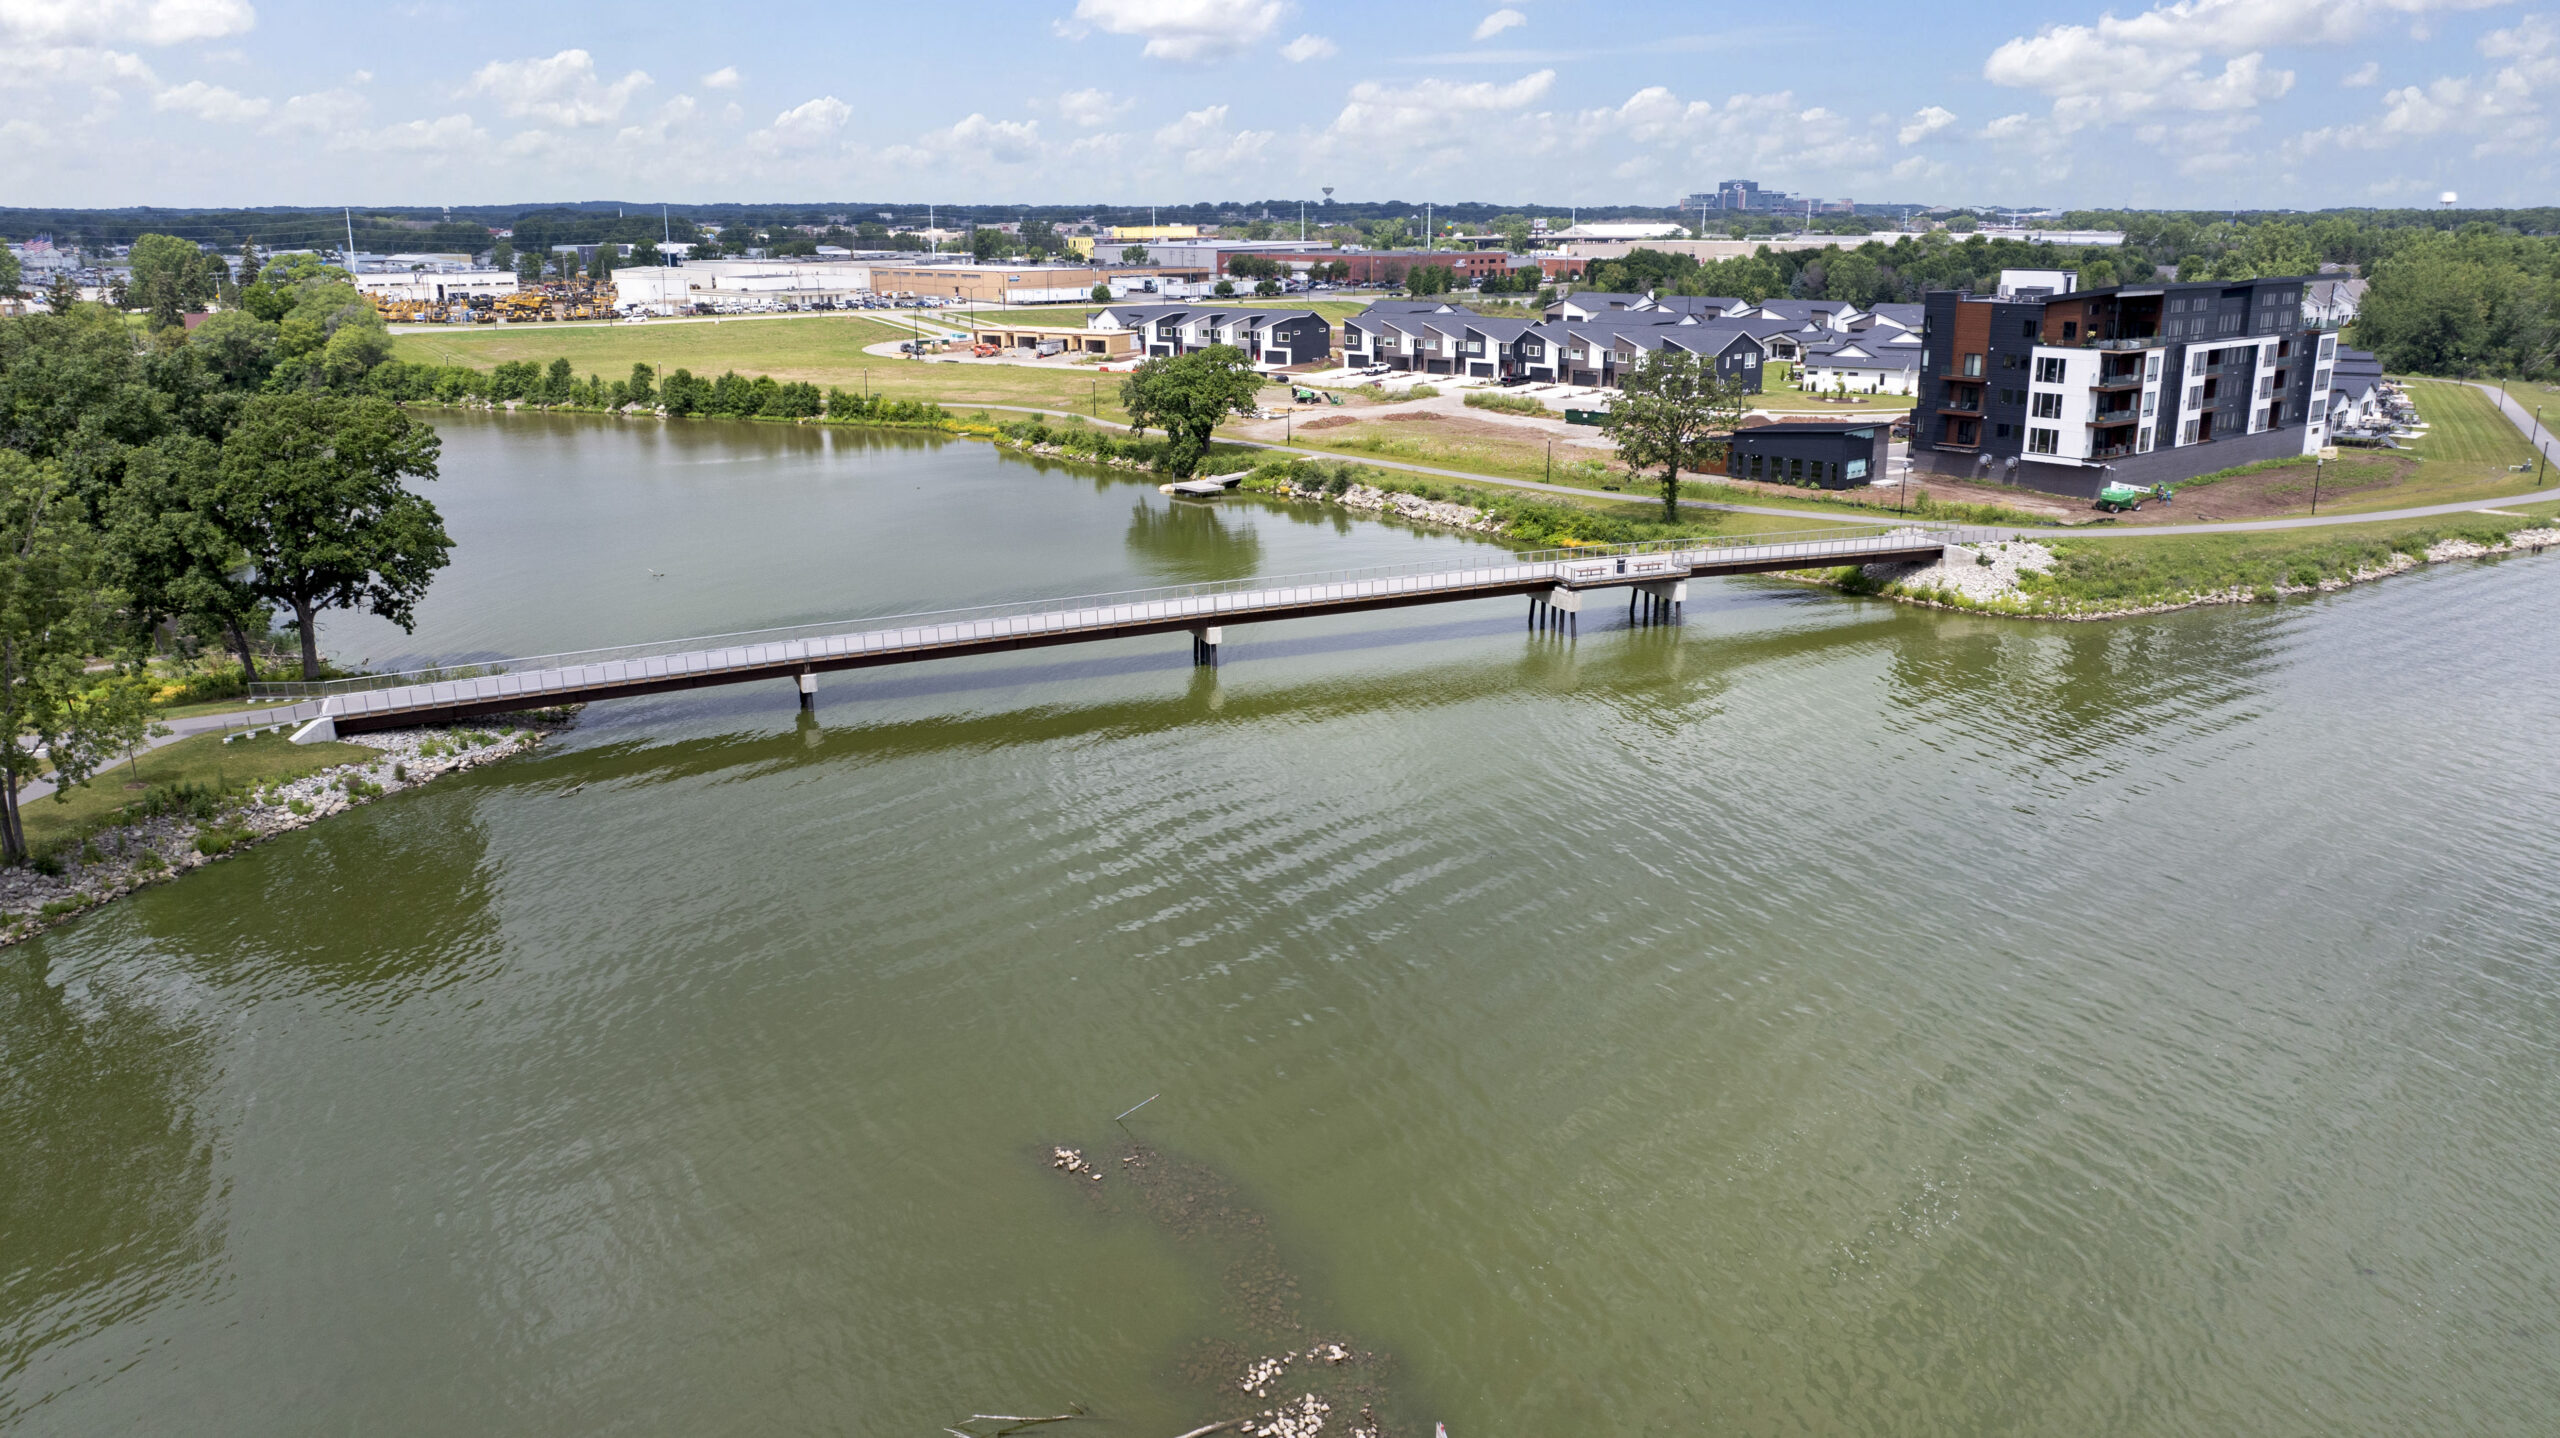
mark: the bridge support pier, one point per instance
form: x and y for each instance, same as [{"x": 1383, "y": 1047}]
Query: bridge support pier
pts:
[
  {"x": 1204, "y": 645},
  {"x": 808, "y": 690},
  {"x": 1565, "y": 608},
  {"x": 1662, "y": 601}
]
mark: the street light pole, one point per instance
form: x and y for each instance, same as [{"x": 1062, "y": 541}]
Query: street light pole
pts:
[
  {"x": 2538, "y": 456},
  {"x": 2316, "y": 465}
]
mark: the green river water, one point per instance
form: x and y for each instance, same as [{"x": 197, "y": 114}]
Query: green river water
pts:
[{"x": 1824, "y": 1017}]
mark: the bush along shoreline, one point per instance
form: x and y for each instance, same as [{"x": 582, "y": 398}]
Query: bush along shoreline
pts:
[
  {"x": 2093, "y": 579},
  {"x": 171, "y": 830},
  {"x": 681, "y": 394}
]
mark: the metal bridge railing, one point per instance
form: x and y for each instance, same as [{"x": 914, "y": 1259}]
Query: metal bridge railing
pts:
[{"x": 1815, "y": 547}]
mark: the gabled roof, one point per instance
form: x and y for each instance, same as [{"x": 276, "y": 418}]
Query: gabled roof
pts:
[
  {"x": 1844, "y": 359},
  {"x": 1805, "y": 309},
  {"x": 1703, "y": 305},
  {"x": 1909, "y": 317},
  {"x": 1505, "y": 330}
]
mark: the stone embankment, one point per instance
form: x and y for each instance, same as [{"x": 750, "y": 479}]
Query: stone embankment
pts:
[
  {"x": 115, "y": 862},
  {"x": 1371, "y": 500}
]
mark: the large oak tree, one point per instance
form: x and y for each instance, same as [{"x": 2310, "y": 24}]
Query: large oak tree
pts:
[{"x": 311, "y": 489}]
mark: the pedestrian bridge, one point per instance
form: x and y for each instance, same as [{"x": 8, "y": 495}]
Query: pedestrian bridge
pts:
[{"x": 1656, "y": 575}]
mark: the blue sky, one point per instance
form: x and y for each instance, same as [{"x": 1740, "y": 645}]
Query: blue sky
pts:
[{"x": 2201, "y": 103}]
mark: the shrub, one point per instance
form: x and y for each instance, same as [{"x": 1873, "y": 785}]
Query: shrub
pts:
[{"x": 1494, "y": 399}]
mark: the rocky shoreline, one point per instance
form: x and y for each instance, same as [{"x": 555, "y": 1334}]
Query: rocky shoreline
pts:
[
  {"x": 114, "y": 862},
  {"x": 1986, "y": 581}
]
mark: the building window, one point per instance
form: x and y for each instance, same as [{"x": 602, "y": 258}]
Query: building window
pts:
[
  {"x": 1755, "y": 466},
  {"x": 2195, "y": 396},
  {"x": 1795, "y": 471},
  {"x": 1835, "y": 473},
  {"x": 1973, "y": 366},
  {"x": 2070, "y": 331},
  {"x": 2187, "y": 432},
  {"x": 2048, "y": 406},
  {"x": 2049, "y": 369},
  {"x": 2027, "y": 329},
  {"x": 2142, "y": 439},
  {"x": 2150, "y": 400},
  {"x": 2044, "y": 441},
  {"x": 2000, "y": 431},
  {"x": 2151, "y": 370}
]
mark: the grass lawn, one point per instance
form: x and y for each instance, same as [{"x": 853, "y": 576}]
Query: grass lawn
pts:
[
  {"x": 825, "y": 350},
  {"x": 2464, "y": 456},
  {"x": 204, "y": 761},
  {"x": 2124, "y": 571},
  {"x": 2464, "y": 426}
]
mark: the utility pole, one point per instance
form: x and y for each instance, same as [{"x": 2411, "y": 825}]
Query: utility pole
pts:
[
  {"x": 2538, "y": 456},
  {"x": 2315, "y": 484}
]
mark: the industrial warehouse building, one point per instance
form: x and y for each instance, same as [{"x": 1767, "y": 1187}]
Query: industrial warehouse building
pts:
[{"x": 433, "y": 287}]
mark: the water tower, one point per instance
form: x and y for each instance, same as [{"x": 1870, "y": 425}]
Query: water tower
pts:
[{"x": 2447, "y": 198}]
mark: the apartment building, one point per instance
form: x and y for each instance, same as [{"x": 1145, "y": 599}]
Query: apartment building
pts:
[
  {"x": 2144, "y": 384},
  {"x": 1272, "y": 338},
  {"x": 1599, "y": 349}
]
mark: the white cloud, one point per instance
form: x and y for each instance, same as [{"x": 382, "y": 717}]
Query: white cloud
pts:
[
  {"x": 724, "y": 78},
  {"x": 210, "y": 102},
  {"x": 132, "y": 22},
  {"x": 813, "y": 122},
  {"x": 445, "y": 136},
  {"x": 1006, "y": 142},
  {"x": 1187, "y": 30},
  {"x": 2363, "y": 75},
  {"x": 1927, "y": 121},
  {"x": 562, "y": 90},
  {"x": 2162, "y": 58},
  {"x": 1497, "y": 22},
  {"x": 44, "y": 65},
  {"x": 1435, "y": 112},
  {"x": 2502, "y": 113},
  {"x": 322, "y": 112},
  {"x": 1206, "y": 144},
  {"x": 1309, "y": 47},
  {"x": 1091, "y": 108}
]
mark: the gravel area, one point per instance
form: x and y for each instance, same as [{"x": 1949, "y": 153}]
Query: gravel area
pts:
[{"x": 114, "y": 862}]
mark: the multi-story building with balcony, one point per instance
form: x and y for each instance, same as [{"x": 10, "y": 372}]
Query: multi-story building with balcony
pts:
[{"x": 2144, "y": 384}]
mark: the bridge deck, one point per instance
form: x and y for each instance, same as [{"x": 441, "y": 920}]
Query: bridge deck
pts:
[{"x": 393, "y": 701}]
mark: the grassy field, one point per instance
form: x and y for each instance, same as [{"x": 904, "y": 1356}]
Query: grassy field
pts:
[
  {"x": 205, "y": 762},
  {"x": 2464, "y": 426},
  {"x": 825, "y": 350},
  {"x": 2464, "y": 456},
  {"x": 2106, "y": 572}
]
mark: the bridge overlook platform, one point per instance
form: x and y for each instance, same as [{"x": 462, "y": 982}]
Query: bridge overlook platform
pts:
[{"x": 1554, "y": 580}]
